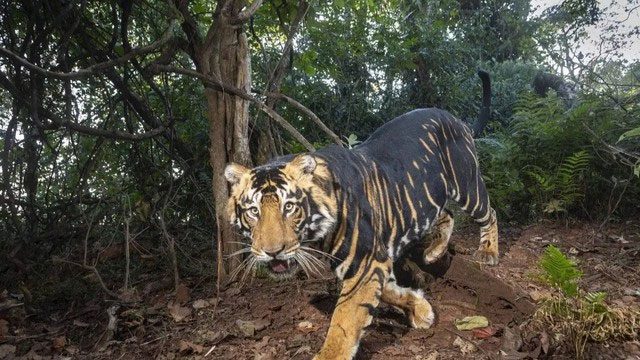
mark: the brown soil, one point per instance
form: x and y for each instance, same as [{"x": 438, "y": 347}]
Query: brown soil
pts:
[{"x": 267, "y": 320}]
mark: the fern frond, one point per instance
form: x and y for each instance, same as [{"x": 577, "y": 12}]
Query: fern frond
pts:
[
  {"x": 560, "y": 271},
  {"x": 570, "y": 176}
]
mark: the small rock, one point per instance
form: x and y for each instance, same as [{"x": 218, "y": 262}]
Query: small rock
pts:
[
  {"x": 511, "y": 340},
  {"x": 7, "y": 351},
  {"x": 297, "y": 341},
  {"x": 262, "y": 324},
  {"x": 248, "y": 328}
]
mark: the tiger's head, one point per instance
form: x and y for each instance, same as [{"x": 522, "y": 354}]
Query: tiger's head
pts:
[{"x": 283, "y": 207}]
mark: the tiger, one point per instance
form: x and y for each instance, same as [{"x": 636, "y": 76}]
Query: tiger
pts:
[{"x": 363, "y": 207}]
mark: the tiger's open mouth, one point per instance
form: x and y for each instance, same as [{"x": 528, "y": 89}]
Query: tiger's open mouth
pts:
[{"x": 282, "y": 268}]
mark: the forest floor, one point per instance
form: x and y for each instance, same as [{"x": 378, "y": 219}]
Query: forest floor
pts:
[{"x": 269, "y": 320}]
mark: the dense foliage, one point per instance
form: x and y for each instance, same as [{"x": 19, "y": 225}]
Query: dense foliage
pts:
[{"x": 74, "y": 187}]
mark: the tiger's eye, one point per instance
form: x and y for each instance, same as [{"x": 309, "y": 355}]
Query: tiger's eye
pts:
[
  {"x": 253, "y": 210},
  {"x": 289, "y": 206}
]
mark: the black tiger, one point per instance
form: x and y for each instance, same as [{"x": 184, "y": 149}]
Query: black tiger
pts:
[{"x": 366, "y": 206}]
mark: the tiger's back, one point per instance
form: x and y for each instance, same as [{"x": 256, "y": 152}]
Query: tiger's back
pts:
[{"x": 403, "y": 175}]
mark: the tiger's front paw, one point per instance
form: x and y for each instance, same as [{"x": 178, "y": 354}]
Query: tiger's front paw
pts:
[
  {"x": 486, "y": 256},
  {"x": 421, "y": 318},
  {"x": 432, "y": 255},
  {"x": 421, "y": 315}
]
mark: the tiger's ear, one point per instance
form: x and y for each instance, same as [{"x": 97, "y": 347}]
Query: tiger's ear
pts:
[
  {"x": 234, "y": 172},
  {"x": 301, "y": 165}
]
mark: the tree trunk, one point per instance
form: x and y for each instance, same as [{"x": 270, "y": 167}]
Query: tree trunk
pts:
[{"x": 227, "y": 59}]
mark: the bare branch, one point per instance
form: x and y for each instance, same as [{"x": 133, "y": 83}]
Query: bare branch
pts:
[
  {"x": 310, "y": 114},
  {"x": 208, "y": 81},
  {"x": 247, "y": 13},
  {"x": 96, "y": 68},
  {"x": 90, "y": 268},
  {"x": 59, "y": 122}
]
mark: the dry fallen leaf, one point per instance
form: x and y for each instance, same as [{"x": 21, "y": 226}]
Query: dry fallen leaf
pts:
[
  {"x": 177, "y": 312},
  {"x": 466, "y": 347},
  {"x": 484, "y": 333},
  {"x": 232, "y": 292},
  {"x": 7, "y": 351},
  {"x": 511, "y": 340},
  {"x": 302, "y": 350},
  {"x": 182, "y": 294},
  {"x": 262, "y": 324},
  {"x": 185, "y": 346},
  {"x": 4, "y": 329},
  {"x": 472, "y": 322},
  {"x": 538, "y": 295},
  {"x": 432, "y": 356},
  {"x": 544, "y": 341},
  {"x": 59, "y": 342},
  {"x": 200, "y": 304},
  {"x": 212, "y": 337},
  {"x": 71, "y": 350},
  {"x": 306, "y": 326}
]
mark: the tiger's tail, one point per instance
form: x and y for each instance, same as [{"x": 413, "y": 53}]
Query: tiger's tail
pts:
[{"x": 485, "y": 111}]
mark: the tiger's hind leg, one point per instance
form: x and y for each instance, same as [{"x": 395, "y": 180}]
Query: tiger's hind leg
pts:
[
  {"x": 477, "y": 205},
  {"x": 417, "y": 308},
  {"x": 488, "y": 250},
  {"x": 439, "y": 237}
]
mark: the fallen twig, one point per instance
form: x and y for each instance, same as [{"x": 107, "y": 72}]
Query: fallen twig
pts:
[
  {"x": 91, "y": 268},
  {"x": 210, "y": 350}
]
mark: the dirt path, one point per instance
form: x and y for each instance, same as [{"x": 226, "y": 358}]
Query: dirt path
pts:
[{"x": 267, "y": 320}]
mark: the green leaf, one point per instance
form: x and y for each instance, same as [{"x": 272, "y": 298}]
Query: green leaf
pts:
[
  {"x": 630, "y": 134},
  {"x": 472, "y": 322},
  {"x": 352, "y": 140}
]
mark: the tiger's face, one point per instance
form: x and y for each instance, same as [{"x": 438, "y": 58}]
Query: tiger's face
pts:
[{"x": 283, "y": 208}]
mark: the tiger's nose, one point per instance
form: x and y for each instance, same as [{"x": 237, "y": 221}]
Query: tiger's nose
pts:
[{"x": 273, "y": 254}]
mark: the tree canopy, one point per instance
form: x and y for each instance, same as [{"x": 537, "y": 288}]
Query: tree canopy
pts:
[{"x": 117, "y": 117}]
